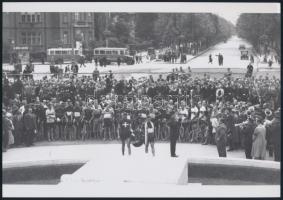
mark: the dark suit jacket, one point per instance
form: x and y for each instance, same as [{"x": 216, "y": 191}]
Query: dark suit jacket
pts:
[
  {"x": 174, "y": 128},
  {"x": 29, "y": 121},
  {"x": 220, "y": 135}
]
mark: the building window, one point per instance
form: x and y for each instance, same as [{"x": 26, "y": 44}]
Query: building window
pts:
[
  {"x": 65, "y": 17},
  {"x": 23, "y": 18},
  {"x": 32, "y": 18},
  {"x": 76, "y": 17},
  {"x": 38, "y": 18},
  {"x": 28, "y": 38},
  {"x": 89, "y": 17},
  {"x": 28, "y": 18},
  {"x": 31, "y": 38},
  {"x": 38, "y": 38},
  {"x": 24, "y": 38},
  {"x": 65, "y": 37},
  {"x": 81, "y": 17}
]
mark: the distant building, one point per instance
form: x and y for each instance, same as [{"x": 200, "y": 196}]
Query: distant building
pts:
[{"x": 40, "y": 31}]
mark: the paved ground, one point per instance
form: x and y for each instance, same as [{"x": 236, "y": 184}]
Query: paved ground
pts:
[
  {"x": 110, "y": 158},
  {"x": 91, "y": 149},
  {"x": 199, "y": 64}
]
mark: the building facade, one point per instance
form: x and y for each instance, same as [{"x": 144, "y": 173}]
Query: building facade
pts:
[{"x": 40, "y": 31}]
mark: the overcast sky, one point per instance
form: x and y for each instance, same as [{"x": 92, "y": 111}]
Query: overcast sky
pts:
[
  {"x": 229, "y": 11},
  {"x": 230, "y": 16}
]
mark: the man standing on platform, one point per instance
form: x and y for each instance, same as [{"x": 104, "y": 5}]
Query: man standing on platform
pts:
[
  {"x": 174, "y": 124},
  {"x": 125, "y": 133}
]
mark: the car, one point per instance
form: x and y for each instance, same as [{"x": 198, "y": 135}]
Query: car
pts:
[
  {"x": 244, "y": 55},
  {"x": 242, "y": 47},
  {"x": 111, "y": 54}
]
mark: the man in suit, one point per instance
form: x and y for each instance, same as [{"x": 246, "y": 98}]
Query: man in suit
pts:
[
  {"x": 275, "y": 128},
  {"x": 221, "y": 137},
  {"x": 30, "y": 127},
  {"x": 174, "y": 124},
  {"x": 248, "y": 131}
]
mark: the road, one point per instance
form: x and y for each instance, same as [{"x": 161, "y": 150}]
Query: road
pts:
[{"x": 198, "y": 64}]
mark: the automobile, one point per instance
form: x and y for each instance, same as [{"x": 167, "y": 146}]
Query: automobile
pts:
[
  {"x": 111, "y": 54},
  {"x": 244, "y": 55},
  {"x": 59, "y": 55},
  {"x": 242, "y": 47}
]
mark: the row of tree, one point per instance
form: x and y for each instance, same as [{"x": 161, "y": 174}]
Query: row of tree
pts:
[
  {"x": 262, "y": 30},
  {"x": 166, "y": 29}
]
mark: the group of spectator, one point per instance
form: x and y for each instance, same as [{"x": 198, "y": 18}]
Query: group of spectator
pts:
[{"x": 85, "y": 107}]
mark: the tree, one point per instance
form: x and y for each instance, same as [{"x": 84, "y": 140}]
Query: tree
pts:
[
  {"x": 145, "y": 25},
  {"x": 260, "y": 29}
]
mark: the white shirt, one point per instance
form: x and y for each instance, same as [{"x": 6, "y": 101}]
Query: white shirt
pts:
[
  {"x": 148, "y": 130},
  {"x": 183, "y": 112},
  {"x": 194, "y": 111},
  {"x": 22, "y": 109},
  {"x": 50, "y": 115},
  {"x": 214, "y": 123}
]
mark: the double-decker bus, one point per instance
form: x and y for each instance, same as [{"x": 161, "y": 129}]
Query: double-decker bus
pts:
[
  {"x": 112, "y": 55},
  {"x": 61, "y": 55}
]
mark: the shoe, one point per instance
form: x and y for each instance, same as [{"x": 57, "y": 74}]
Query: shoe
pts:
[
  {"x": 175, "y": 156},
  {"x": 230, "y": 149}
]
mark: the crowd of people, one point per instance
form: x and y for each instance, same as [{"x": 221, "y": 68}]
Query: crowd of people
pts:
[{"x": 242, "y": 113}]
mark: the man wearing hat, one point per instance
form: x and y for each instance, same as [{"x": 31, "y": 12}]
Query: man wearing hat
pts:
[{"x": 275, "y": 128}]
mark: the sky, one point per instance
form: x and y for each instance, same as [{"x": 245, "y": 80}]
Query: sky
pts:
[
  {"x": 230, "y": 16},
  {"x": 229, "y": 11}
]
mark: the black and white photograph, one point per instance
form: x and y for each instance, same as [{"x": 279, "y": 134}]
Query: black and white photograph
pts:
[{"x": 141, "y": 99}]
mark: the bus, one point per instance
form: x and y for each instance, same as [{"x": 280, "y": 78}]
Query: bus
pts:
[
  {"x": 61, "y": 55},
  {"x": 112, "y": 55}
]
